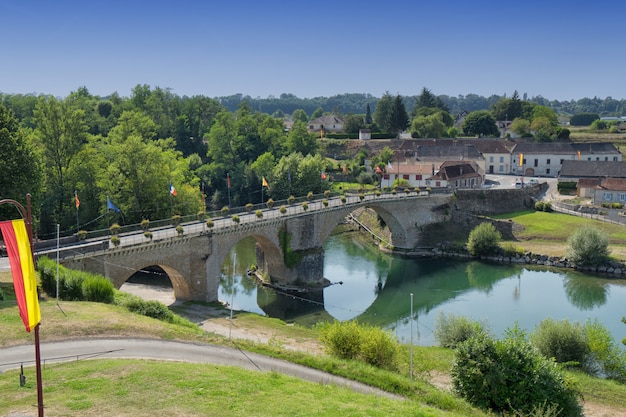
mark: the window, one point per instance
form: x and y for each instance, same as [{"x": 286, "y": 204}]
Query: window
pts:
[
  {"x": 438, "y": 184},
  {"x": 607, "y": 196},
  {"x": 547, "y": 162},
  {"x": 615, "y": 158},
  {"x": 622, "y": 197},
  {"x": 405, "y": 176},
  {"x": 597, "y": 158},
  {"x": 606, "y": 158},
  {"x": 386, "y": 176},
  {"x": 501, "y": 168},
  {"x": 491, "y": 159},
  {"x": 588, "y": 158},
  {"x": 427, "y": 182},
  {"x": 548, "y": 171},
  {"x": 418, "y": 177},
  {"x": 536, "y": 162},
  {"x": 502, "y": 159},
  {"x": 562, "y": 161}
]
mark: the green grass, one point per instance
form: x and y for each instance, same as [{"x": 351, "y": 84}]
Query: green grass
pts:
[{"x": 148, "y": 388}]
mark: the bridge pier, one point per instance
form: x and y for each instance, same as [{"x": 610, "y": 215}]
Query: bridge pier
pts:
[{"x": 306, "y": 268}]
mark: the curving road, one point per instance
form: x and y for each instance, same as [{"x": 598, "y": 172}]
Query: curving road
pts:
[{"x": 71, "y": 350}]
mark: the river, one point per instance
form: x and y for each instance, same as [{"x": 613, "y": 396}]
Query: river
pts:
[{"x": 376, "y": 288}]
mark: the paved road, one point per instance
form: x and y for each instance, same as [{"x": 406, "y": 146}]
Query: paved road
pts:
[{"x": 71, "y": 350}]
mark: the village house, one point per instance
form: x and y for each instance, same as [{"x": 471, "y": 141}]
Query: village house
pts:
[
  {"x": 326, "y": 124},
  {"x": 607, "y": 190},
  {"x": 574, "y": 170},
  {"x": 546, "y": 159},
  {"x": 458, "y": 174}
]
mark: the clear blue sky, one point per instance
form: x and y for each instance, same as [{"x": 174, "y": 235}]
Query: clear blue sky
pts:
[{"x": 557, "y": 49}]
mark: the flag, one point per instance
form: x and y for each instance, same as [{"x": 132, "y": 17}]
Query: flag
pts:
[
  {"x": 521, "y": 159},
  {"x": 23, "y": 270},
  {"x": 76, "y": 200},
  {"x": 579, "y": 155},
  {"x": 389, "y": 166},
  {"x": 111, "y": 206},
  {"x": 344, "y": 170},
  {"x": 228, "y": 179},
  {"x": 323, "y": 175},
  {"x": 172, "y": 189},
  {"x": 264, "y": 183},
  {"x": 378, "y": 170}
]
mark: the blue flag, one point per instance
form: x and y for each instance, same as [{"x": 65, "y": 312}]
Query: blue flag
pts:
[{"x": 111, "y": 206}]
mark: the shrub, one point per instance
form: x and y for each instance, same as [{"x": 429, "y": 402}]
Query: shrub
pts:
[
  {"x": 235, "y": 219},
  {"x": 145, "y": 224},
  {"x": 259, "y": 214},
  {"x": 152, "y": 308},
  {"x": 82, "y": 234},
  {"x": 377, "y": 193},
  {"x": 180, "y": 230},
  {"x": 561, "y": 340},
  {"x": 370, "y": 344},
  {"x": 148, "y": 235},
  {"x": 309, "y": 195},
  {"x": 270, "y": 203},
  {"x": 588, "y": 246},
  {"x": 71, "y": 285},
  {"x": 325, "y": 202},
  {"x": 450, "y": 330},
  {"x": 1, "y": 295},
  {"x": 176, "y": 219},
  {"x": 291, "y": 199},
  {"x": 605, "y": 357},
  {"x": 343, "y": 199},
  {"x": 483, "y": 240},
  {"x": 210, "y": 224},
  {"x": 249, "y": 207},
  {"x": 114, "y": 229},
  {"x": 98, "y": 289},
  {"x": 115, "y": 241},
  {"x": 547, "y": 206},
  {"x": 283, "y": 209},
  {"x": 539, "y": 206},
  {"x": 326, "y": 193},
  {"x": 510, "y": 376},
  {"x": 225, "y": 210},
  {"x": 361, "y": 196},
  {"x": 305, "y": 206},
  {"x": 509, "y": 249}
]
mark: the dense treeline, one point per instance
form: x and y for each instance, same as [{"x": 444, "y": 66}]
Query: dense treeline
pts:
[{"x": 90, "y": 161}]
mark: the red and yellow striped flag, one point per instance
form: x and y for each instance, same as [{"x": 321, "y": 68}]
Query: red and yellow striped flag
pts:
[{"x": 23, "y": 270}]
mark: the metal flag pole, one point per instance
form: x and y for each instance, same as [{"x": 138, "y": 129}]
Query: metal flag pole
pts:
[{"x": 411, "y": 348}]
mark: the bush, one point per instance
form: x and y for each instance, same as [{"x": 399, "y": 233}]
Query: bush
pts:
[
  {"x": 270, "y": 203},
  {"x": 483, "y": 240},
  {"x": 561, "y": 340},
  {"x": 539, "y": 206},
  {"x": 148, "y": 234},
  {"x": 225, "y": 210},
  {"x": 115, "y": 241},
  {"x": 114, "y": 229},
  {"x": 259, "y": 214},
  {"x": 291, "y": 199},
  {"x": 370, "y": 344},
  {"x": 145, "y": 224},
  {"x": 588, "y": 246},
  {"x": 1, "y": 295},
  {"x": 235, "y": 219},
  {"x": 210, "y": 224},
  {"x": 605, "y": 358},
  {"x": 152, "y": 308},
  {"x": 71, "y": 285},
  {"x": 180, "y": 230},
  {"x": 82, "y": 234},
  {"x": 97, "y": 289},
  {"x": 510, "y": 376},
  {"x": 283, "y": 209},
  {"x": 249, "y": 207},
  {"x": 450, "y": 330}
]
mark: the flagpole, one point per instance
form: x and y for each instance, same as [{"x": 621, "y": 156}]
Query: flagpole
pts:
[
  {"x": 228, "y": 186},
  {"x": 77, "y": 205},
  {"x": 28, "y": 220}
]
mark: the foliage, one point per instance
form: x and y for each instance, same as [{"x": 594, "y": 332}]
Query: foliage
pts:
[
  {"x": 225, "y": 210},
  {"x": 148, "y": 234},
  {"x": 283, "y": 209},
  {"x": 370, "y": 344},
  {"x": 305, "y": 205},
  {"x": 180, "y": 230},
  {"x": 97, "y": 289},
  {"x": 605, "y": 358},
  {"x": 480, "y": 123},
  {"x": 450, "y": 330},
  {"x": 510, "y": 376},
  {"x": 561, "y": 340},
  {"x": 235, "y": 219},
  {"x": 269, "y": 203},
  {"x": 210, "y": 224},
  {"x": 73, "y": 285},
  {"x": 483, "y": 240},
  {"x": 588, "y": 246},
  {"x": 115, "y": 241},
  {"x": 151, "y": 308},
  {"x": 325, "y": 202},
  {"x": 583, "y": 119},
  {"x": 115, "y": 229},
  {"x": 82, "y": 234},
  {"x": 249, "y": 207},
  {"x": 259, "y": 214}
]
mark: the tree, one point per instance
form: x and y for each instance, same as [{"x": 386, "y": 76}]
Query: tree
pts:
[
  {"x": 353, "y": 123},
  {"x": 428, "y": 126},
  {"x": 483, "y": 240},
  {"x": 382, "y": 112},
  {"x": 20, "y": 166},
  {"x": 588, "y": 246},
  {"x": 521, "y": 126},
  {"x": 508, "y": 108},
  {"x": 583, "y": 119},
  {"x": 399, "y": 119},
  {"x": 480, "y": 123},
  {"x": 317, "y": 113},
  {"x": 301, "y": 140},
  {"x": 368, "y": 115},
  {"x": 300, "y": 115}
]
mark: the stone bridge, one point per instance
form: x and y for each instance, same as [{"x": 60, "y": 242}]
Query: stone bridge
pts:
[{"x": 289, "y": 246}]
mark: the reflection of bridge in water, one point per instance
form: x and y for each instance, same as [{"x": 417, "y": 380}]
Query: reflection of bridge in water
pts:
[{"x": 289, "y": 245}]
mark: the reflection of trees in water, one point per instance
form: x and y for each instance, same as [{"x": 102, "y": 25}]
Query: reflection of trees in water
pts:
[
  {"x": 483, "y": 276},
  {"x": 585, "y": 293}
]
